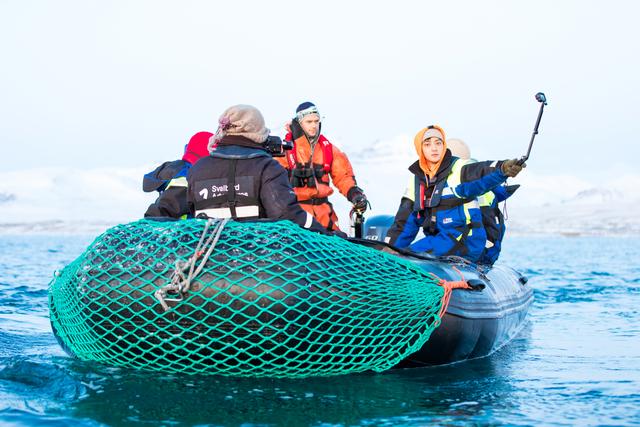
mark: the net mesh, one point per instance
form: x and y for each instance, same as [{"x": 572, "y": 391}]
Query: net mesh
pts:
[{"x": 272, "y": 300}]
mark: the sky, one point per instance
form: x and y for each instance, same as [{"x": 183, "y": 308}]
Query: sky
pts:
[{"x": 106, "y": 84}]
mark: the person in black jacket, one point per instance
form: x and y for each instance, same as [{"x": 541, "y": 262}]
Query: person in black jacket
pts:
[
  {"x": 170, "y": 180},
  {"x": 240, "y": 179}
]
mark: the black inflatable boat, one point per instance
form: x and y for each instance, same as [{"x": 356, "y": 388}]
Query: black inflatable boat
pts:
[
  {"x": 478, "y": 321},
  {"x": 259, "y": 302}
]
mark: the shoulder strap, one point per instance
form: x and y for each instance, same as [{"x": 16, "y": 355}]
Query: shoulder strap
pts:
[
  {"x": 231, "y": 193},
  {"x": 327, "y": 154},
  {"x": 418, "y": 197},
  {"x": 292, "y": 159}
]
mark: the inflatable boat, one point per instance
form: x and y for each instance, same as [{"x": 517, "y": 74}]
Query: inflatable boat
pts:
[
  {"x": 268, "y": 298},
  {"x": 478, "y": 320}
]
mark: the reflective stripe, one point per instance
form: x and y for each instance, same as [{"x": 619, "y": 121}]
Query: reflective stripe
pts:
[
  {"x": 178, "y": 182},
  {"x": 454, "y": 178},
  {"x": 309, "y": 221},
  {"x": 472, "y": 204},
  {"x": 448, "y": 191},
  {"x": 456, "y": 171},
  {"x": 409, "y": 193},
  {"x": 486, "y": 199},
  {"x": 241, "y": 211}
]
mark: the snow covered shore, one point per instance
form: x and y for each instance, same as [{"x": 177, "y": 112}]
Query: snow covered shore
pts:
[{"x": 57, "y": 200}]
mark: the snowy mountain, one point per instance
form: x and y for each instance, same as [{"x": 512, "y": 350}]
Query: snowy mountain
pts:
[
  {"x": 613, "y": 210},
  {"x": 549, "y": 204},
  {"x": 60, "y": 200}
]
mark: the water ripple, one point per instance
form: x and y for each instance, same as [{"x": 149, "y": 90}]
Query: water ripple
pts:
[{"x": 577, "y": 358}]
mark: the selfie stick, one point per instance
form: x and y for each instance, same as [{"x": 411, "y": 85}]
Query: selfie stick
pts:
[{"x": 543, "y": 101}]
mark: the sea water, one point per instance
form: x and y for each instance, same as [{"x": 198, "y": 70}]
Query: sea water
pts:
[{"x": 576, "y": 361}]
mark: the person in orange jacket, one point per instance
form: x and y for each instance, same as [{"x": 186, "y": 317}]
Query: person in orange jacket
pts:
[{"x": 314, "y": 163}]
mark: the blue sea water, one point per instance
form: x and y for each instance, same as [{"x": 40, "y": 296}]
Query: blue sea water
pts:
[{"x": 576, "y": 362}]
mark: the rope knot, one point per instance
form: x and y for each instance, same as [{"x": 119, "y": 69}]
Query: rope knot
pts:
[{"x": 449, "y": 286}]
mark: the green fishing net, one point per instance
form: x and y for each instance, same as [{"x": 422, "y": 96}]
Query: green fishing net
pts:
[{"x": 263, "y": 298}]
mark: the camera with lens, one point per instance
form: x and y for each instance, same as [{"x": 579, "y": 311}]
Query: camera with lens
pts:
[{"x": 276, "y": 146}]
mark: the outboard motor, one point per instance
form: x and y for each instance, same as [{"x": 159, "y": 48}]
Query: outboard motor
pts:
[{"x": 376, "y": 227}]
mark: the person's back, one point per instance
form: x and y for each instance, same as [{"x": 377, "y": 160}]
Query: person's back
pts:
[
  {"x": 240, "y": 179},
  {"x": 170, "y": 180}
]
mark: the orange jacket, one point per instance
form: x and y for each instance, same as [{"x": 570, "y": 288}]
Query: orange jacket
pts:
[{"x": 341, "y": 171}]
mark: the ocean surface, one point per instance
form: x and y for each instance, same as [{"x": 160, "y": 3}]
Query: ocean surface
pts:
[{"x": 576, "y": 362}]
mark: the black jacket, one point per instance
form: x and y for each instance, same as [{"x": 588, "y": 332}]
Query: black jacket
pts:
[
  {"x": 241, "y": 180},
  {"x": 169, "y": 179}
]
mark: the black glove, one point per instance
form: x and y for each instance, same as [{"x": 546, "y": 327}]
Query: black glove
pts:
[
  {"x": 358, "y": 199},
  {"x": 360, "y": 202},
  {"x": 512, "y": 168}
]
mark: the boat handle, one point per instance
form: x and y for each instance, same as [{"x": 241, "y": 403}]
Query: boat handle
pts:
[{"x": 476, "y": 284}]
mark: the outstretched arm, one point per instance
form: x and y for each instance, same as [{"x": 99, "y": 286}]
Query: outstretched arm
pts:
[
  {"x": 473, "y": 189},
  {"x": 478, "y": 178}
]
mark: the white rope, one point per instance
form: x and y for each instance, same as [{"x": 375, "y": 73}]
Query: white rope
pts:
[{"x": 181, "y": 284}]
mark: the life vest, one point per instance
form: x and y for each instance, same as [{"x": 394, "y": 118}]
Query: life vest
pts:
[
  {"x": 230, "y": 197},
  {"x": 494, "y": 221},
  {"x": 492, "y": 218},
  {"x": 443, "y": 198}
]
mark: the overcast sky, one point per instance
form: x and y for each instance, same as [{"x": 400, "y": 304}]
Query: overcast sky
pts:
[{"x": 94, "y": 83}]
